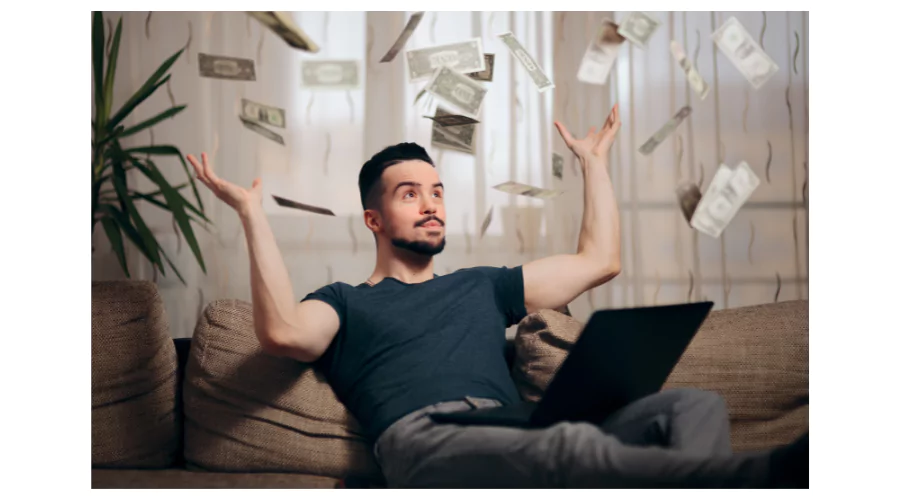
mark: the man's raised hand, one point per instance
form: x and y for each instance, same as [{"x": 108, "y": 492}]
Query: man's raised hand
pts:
[
  {"x": 236, "y": 197},
  {"x": 595, "y": 145}
]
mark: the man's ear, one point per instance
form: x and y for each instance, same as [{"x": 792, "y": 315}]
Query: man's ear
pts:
[{"x": 372, "y": 219}]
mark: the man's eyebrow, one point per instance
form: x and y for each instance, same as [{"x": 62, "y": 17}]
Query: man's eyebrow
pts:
[{"x": 416, "y": 184}]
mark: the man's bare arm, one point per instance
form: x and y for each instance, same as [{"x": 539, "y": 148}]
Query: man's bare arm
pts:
[
  {"x": 554, "y": 281},
  {"x": 284, "y": 328}
]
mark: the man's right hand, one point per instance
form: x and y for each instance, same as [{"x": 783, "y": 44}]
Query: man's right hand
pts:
[{"x": 238, "y": 198}]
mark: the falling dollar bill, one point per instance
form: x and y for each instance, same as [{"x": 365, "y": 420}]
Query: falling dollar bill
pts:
[
  {"x": 464, "y": 57},
  {"x": 694, "y": 79},
  {"x": 689, "y": 196},
  {"x": 742, "y": 50},
  {"x": 330, "y": 75},
  {"x": 263, "y": 131},
  {"x": 665, "y": 131},
  {"x": 513, "y": 187},
  {"x": 601, "y": 54},
  {"x": 457, "y": 90},
  {"x": 227, "y": 68},
  {"x": 487, "y": 75},
  {"x": 404, "y": 36},
  {"x": 558, "y": 163},
  {"x": 638, "y": 27},
  {"x": 461, "y": 138},
  {"x": 261, "y": 113},
  {"x": 301, "y": 206},
  {"x": 534, "y": 71},
  {"x": 451, "y": 120},
  {"x": 282, "y": 24},
  {"x": 487, "y": 221},
  {"x": 723, "y": 204},
  {"x": 719, "y": 180}
]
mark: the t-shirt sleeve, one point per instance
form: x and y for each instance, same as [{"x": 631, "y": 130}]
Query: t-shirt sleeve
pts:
[
  {"x": 332, "y": 295},
  {"x": 509, "y": 291}
]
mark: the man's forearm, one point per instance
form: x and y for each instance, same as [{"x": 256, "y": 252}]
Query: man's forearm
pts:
[
  {"x": 272, "y": 292},
  {"x": 599, "y": 238}
]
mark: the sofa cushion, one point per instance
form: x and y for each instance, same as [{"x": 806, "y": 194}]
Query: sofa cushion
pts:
[
  {"x": 250, "y": 412},
  {"x": 184, "y": 479},
  {"x": 756, "y": 357},
  {"x": 134, "y": 422}
]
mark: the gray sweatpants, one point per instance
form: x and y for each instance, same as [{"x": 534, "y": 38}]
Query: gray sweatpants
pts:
[{"x": 675, "y": 438}]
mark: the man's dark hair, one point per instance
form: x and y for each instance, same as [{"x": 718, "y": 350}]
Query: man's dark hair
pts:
[{"x": 370, "y": 186}]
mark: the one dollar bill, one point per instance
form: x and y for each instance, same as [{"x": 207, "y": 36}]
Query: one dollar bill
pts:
[
  {"x": 330, "y": 75},
  {"x": 261, "y": 113},
  {"x": 263, "y": 131},
  {"x": 457, "y": 90},
  {"x": 666, "y": 130},
  {"x": 534, "y": 71},
  {"x": 460, "y": 138},
  {"x": 742, "y": 50},
  {"x": 722, "y": 205},
  {"x": 464, "y": 57},
  {"x": 404, "y": 36},
  {"x": 638, "y": 28},
  {"x": 513, "y": 187},
  {"x": 227, "y": 68},
  {"x": 284, "y": 202},
  {"x": 282, "y": 24},
  {"x": 694, "y": 79},
  {"x": 601, "y": 54}
]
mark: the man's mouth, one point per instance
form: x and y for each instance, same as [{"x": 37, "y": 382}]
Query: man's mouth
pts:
[{"x": 432, "y": 223}]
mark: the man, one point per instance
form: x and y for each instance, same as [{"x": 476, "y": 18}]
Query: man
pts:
[{"x": 408, "y": 343}]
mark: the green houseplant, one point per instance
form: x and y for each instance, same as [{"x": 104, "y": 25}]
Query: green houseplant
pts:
[{"x": 112, "y": 202}]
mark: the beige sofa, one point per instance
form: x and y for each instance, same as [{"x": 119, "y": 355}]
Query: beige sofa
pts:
[{"x": 215, "y": 411}]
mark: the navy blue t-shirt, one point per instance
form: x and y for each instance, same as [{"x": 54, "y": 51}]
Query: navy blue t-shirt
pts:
[{"x": 401, "y": 347}]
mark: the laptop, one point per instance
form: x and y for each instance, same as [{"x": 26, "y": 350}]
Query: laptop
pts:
[{"x": 622, "y": 355}]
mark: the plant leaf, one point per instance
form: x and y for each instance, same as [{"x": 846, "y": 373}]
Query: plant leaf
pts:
[
  {"x": 172, "y": 266},
  {"x": 163, "y": 206},
  {"x": 115, "y": 239},
  {"x": 122, "y": 220},
  {"x": 167, "y": 149},
  {"x": 97, "y": 51},
  {"x": 146, "y": 89},
  {"x": 173, "y": 200},
  {"x": 111, "y": 70},
  {"x": 153, "y": 121},
  {"x": 128, "y": 208}
]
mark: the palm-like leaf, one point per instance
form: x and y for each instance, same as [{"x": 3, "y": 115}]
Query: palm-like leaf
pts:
[{"x": 115, "y": 207}]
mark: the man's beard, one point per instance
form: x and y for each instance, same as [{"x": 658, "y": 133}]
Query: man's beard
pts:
[{"x": 420, "y": 247}]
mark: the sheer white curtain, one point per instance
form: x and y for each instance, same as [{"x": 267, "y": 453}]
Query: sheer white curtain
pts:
[{"x": 329, "y": 135}]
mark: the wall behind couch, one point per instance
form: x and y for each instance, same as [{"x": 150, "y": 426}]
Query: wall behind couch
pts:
[{"x": 761, "y": 257}]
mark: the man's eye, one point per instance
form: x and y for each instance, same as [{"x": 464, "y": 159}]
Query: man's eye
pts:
[
  {"x": 438, "y": 194},
  {"x": 408, "y": 193}
]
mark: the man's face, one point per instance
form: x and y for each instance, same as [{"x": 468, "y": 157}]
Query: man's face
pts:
[{"x": 412, "y": 207}]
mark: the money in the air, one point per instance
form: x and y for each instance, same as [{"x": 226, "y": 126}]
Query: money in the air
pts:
[
  {"x": 404, "y": 36},
  {"x": 488, "y": 74},
  {"x": 534, "y": 71},
  {"x": 694, "y": 79},
  {"x": 263, "y": 131},
  {"x": 464, "y": 57},
  {"x": 638, "y": 28},
  {"x": 301, "y": 206},
  {"x": 665, "y": 131},
  {"x": 283, "y": 25},
  {"x": 452, "y": 120},
  {"x": 261, "y": 113},
  {"x": 601, "y": 54},
  {"x": 461, "y": 138},
  {"x": 457, "y": 90},
  {"x": 558, "y": 163},
  {"x": 513, "y": 187},
  {"x": 330, "y": 74},
  {"x": 742, "y": 50},
  {"x": 226, "y": 68},
  {"x": 722, "y": 205},
  {"x": 688, "y": 195}
]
